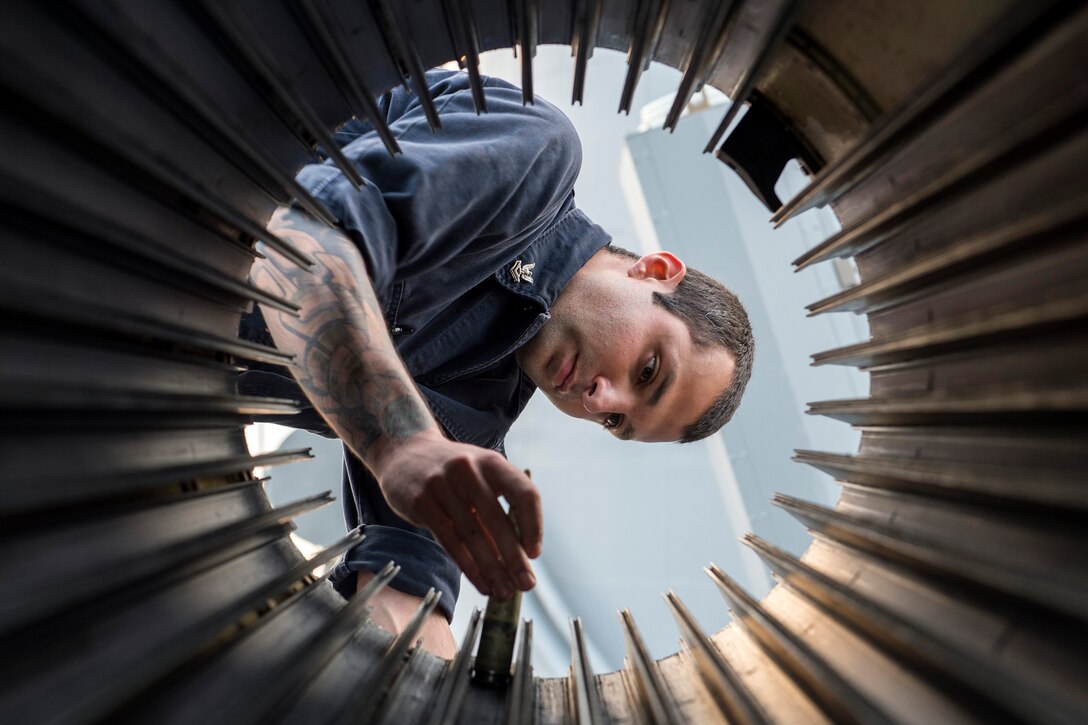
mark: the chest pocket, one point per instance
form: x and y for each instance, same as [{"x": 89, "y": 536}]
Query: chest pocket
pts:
[
  {"x": 479, "y": 408},
  {"x": 466, "y": 336}
]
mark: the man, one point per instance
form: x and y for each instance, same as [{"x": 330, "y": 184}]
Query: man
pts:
[{"x": 461, "y": 277}]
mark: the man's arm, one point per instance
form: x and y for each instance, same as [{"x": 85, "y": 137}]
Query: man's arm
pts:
[{"x": 346, "y": 364}]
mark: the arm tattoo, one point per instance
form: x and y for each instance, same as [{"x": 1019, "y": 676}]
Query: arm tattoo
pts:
[{"x": 344, "y": 358}]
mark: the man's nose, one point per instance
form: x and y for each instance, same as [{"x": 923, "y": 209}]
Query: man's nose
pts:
[{"x": 602, "y": 397}]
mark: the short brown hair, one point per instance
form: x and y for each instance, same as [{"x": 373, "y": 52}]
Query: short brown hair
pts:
[{"x": 715, "y": 317}]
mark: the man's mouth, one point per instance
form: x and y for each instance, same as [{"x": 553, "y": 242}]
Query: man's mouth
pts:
[{"x": 565, "y": 375}]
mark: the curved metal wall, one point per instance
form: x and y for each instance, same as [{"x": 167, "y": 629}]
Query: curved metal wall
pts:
[{"x": 146, "y": 577}]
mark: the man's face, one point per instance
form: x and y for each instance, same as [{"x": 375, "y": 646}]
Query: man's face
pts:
[{"x": 610, "y": 355}]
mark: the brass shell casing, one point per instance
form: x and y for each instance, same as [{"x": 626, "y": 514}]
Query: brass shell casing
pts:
[{"x": 500, "y": 628}]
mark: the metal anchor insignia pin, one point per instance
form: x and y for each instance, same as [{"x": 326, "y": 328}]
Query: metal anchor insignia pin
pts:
[{"x": 522, "y": 272}]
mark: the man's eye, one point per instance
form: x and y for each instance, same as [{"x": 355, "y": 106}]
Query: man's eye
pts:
[
  {"x": 647, "y": 373},
  {"x": 612, "y": 421}
]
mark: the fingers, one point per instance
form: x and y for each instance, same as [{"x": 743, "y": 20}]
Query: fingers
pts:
[
  {"x": 524, "y": 499},
  {"x": 513, "y": 557},
  {"x": 458, "y": 501},
  {"x": 470, "y": 537},
  {"x": 446, "y": 533},
  {"x": 472, "y": 505},
  {"x": 495, "y": 476}
]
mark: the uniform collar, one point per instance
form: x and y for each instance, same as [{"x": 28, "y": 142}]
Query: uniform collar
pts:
[{"x": 542, "y": 271}]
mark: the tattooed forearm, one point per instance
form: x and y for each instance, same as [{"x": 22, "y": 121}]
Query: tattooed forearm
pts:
[{"x": 344, "y": 359}]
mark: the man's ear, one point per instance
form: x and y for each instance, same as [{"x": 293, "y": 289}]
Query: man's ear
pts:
[{"x": 663, "y": 266}]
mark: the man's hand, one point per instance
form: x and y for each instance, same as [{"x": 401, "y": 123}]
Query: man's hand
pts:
[
  {"x": 452, "y": 489},
  {"x": 348, "y": 367}
]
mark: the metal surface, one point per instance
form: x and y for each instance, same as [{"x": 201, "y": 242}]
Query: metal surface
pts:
[
  {"x": 836, "y": 696},
  {"x": 238, "y": 37},
  {"x": 759, "y": 148},
  {"x": 773, "y": 31},
  {"x": 334, "y": 50},
  {"x": 148, "y": 579},
  {"x": 586, "y": 700},
  {"x": 947, "y": 668},
  {"x": 714, "y": 31},
  {"x": 734, "y": 700},
  {"x": 649, "y": 17},
  {"x": 587, "y": 20},
  {"x": 521, "y": 689},
  {"x": 525, "y": 18},
  {"x": 1003, "y": 41},
  {"x": 466, "y": 44},
  {"x": 651, "y": 696},
  {"x": 447, "y": 704},
  {"x": 405, "y": 54}
]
